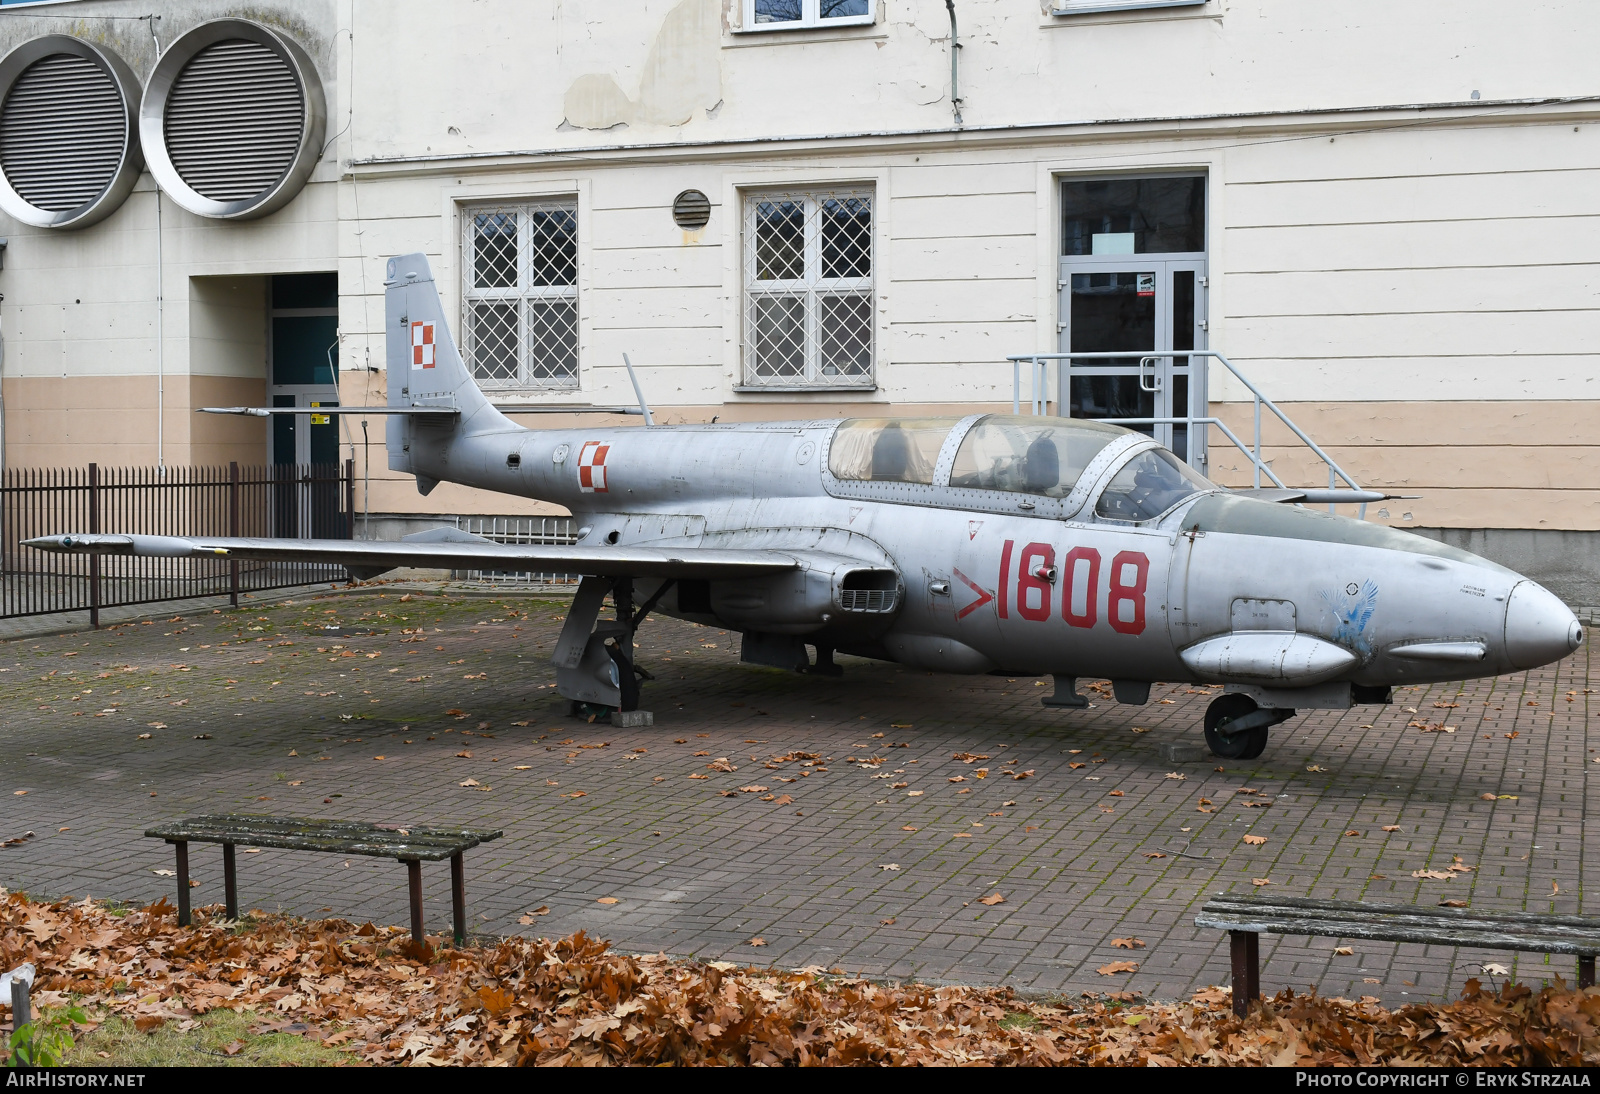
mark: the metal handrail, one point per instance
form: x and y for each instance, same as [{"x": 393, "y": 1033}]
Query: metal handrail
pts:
[{"x": 1039, "y": 400}]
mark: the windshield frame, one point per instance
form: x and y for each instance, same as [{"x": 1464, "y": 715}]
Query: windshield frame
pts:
[{"x": 1091, "y": 508}]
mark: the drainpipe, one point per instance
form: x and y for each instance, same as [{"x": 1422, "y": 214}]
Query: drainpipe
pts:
[
  {"x": 955, "y": 63},
  {"x": 161, "y": 342},
  {"x": 161, "y": 346}
]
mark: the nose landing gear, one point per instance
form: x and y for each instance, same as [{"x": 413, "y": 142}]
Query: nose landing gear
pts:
[{"x": 1236, "y": 728}]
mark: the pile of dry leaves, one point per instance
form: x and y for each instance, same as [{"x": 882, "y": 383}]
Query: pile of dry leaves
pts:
[{"x": 574, "y": 1001}]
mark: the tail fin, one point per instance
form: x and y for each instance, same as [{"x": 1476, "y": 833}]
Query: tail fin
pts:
[{"x": 425, "y": 369}]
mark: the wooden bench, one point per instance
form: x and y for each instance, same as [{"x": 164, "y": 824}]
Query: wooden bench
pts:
[
  {"x": 411, "y": 844},
  {"x": 1246, "y": 918}
]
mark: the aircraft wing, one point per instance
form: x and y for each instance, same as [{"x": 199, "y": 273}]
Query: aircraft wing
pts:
[{"x": 368, "y": 558}]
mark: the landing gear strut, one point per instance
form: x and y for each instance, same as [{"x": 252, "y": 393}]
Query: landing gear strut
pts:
[{"x": 1236, "y": 728}]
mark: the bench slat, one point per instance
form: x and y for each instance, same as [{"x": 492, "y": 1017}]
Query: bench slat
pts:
[
  {"x": 1404, "y": 923},
  {"x": 421, "y": 842},
  {"x": 1314, "y": 905}
]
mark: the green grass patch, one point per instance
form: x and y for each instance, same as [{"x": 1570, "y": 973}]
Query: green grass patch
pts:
[
  {"x": 1018, "y": 1019},
  {"x": 117, "y": 1043}
]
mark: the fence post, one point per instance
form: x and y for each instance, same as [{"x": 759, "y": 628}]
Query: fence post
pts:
[
  {"x": 350, "y": 499},
  {"x": 94, "y": 559},
  {"x": 233, "y": 530}
]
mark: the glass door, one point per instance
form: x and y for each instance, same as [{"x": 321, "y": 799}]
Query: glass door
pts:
[
  {"x": 1151, "y": 309},
  {"x": 1133, "y": 280}
]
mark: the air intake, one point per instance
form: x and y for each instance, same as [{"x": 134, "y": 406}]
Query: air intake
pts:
[
  {"x": 67, "y": 153},
  {"x": 232, "y": 120}
]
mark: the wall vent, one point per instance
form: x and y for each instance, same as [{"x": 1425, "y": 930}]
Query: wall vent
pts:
[
  {"x": 67, "y": 153},
  {"x": 232, "y": 119}
]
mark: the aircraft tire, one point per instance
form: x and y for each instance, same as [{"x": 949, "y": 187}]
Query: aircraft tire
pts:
[{"x": 1237, "y": 746}]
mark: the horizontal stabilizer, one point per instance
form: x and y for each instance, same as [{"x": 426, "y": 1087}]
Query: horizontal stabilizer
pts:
[
  {"x": 370, "y": 411},
  {"x": 370, "y": 557}
]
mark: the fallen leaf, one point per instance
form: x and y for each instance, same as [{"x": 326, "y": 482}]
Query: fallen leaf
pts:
[
  {"x": 1175, "y": 775},
  {"x": 1352, "y": 832},
  {"x": 1370, "y": 980},
  {"x": 607, "y": 900},
  {"x": 1259, "y": 881},
  {"x": 1116, "y": 794},
  {"x": 886, "y": 922},
  {"x": 888, "y": 866},
  {"x": 1452, "y": 903},
  {"x": 992, "y": 899},
  {"x": 1129, "y": 943},
  {"x": 1435, "y": 875},
  {"x": 1391, "y": 828},
  {"x": 1118, "y": 967},
  {"x": 1154, "y": 854},
  {"x": 1313, "y": 767},
  {"x": 165, "y": 873},
  {"x": 469, "y": 782},
  {"x": 1344, "y": 951},
  {"x": 953, "y": 778},
  {"x": 143, "y": 737},
  {"x": 1255, "y": 841},
  {"x": 783, "y": 799},
  {"x": 1486, "y": 797},
  {"x": 1494, "y": 969},
  {"x": 756, "y": 942}
]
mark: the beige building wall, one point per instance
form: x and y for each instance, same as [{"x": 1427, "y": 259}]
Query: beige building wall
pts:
[
  {"x": 113, "y": 335},
  {"x": 1402, "y": 223},
  {"x": 1419, "y": 299}
]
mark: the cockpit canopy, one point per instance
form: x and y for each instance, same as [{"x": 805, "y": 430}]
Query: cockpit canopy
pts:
[
  {"x": 1021, "y": 455},
  {"x": 888, "y": 449},
  {"x": 1029, "y": 455}
]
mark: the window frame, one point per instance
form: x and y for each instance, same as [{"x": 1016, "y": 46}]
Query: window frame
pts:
[
  {"x": 524, "y": 293},
  {"x": 1080, "y": 7},
  {"x": 811, "y": 285},
  {"x": 810, "y": 18}
]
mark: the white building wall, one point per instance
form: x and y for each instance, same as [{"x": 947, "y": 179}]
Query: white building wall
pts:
[{"x": 1410, "y": 270}]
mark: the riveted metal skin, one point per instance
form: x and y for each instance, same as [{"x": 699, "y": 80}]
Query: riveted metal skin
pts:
[
  {"x": 1288, "y": 606},
  {"x": 153, "y": 119},
  {"x": 120, "y": 179}
]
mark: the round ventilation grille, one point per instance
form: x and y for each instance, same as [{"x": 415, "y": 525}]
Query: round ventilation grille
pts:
[
  {"x": 232, "y": 119},
  {"x": 66, "y": 151},
  {"x": 691, "y": 210}
]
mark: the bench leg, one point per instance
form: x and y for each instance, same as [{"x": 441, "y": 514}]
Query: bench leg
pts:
[
  {"x": 230, "y": 881},
  {"x": 458, "y": 897},
  {"x": 414, "y": 870},
  {"x": 1245, "y": 951},
  {"x": 182, "y": 848},
  {"x": 1586, "y": 970}
]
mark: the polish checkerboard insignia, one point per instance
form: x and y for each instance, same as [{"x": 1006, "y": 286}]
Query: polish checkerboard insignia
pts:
[
  {"x": 422, "y": 345},
  {"x": 592, "y": 467}
]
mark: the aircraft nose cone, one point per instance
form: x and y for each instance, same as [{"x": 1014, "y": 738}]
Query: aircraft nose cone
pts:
[{"x": 1539, "y": 628}]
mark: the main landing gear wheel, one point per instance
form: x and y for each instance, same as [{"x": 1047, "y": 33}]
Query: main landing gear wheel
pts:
[{"x": 1245, "y": 744}]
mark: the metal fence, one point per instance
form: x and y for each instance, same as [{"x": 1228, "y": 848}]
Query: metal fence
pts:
[
  {"x": 553, "y": 531},
  {"x": 286, "y": 500}
]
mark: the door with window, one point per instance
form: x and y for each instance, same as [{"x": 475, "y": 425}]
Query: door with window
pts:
[
  {"x": 1133, "y": 279},
  {"x": 304, "y": 355}
]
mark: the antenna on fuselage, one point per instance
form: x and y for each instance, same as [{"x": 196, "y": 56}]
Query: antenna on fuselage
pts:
[{"x": 644, "y": 407}]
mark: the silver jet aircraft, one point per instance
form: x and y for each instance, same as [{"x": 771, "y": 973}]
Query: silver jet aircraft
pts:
[{"x": 984, "y": 543}]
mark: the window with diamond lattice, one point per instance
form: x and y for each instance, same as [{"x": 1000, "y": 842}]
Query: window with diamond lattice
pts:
[
  {"x": 520, "y": 294},
  {"x": 808, "y": 289}
]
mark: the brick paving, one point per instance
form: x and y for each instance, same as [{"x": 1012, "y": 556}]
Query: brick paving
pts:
[{"x": 856, "y": 871}]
